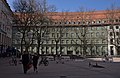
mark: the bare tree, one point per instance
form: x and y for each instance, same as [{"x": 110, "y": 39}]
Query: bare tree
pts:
[
  {"x": 31, "y": 20},
  {"x": 59, "y": 30},
  {"x": 85, "y": 19}
]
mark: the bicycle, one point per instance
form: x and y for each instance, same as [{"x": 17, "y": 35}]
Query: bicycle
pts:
[
  {"x": 44, "y": 61},
  {"x": 13, "y": 61}
]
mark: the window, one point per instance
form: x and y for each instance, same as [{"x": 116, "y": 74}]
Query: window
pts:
[
  {"x": 99, "y": 22},
  {"x": 83, "y": 22},
  {"x": 111, "y": 34},
  {"x": 55, "y": 23},
  {"x": 69, "y": 22},
  {"x": 97, "y": 34},
  {"x": 60, "y": 22},
  {"x": 117, "y": 27},
  {"x": 111, "y": 20},
  {"x": 104, "y": 21},
  {"x": 62, "y": 42},
  {"x": 65, "y": 22},
  {"x": 92, "y": 41},
  {"x": 53, "y": 29},
  {"x": 67, "y": 41},
  {"x": 52, "y": 41},
  {"x": 116, "y": 20},
  {"x": 67, "y": 34},
  {"x": 57, "y": 34},
  {"x": 93, "y": 22},
  {"x": 117, "y": 33},
  {"x": 72, "y": 42},
  {"x": 74, "y": 23},
  {"x": 103, "y": 41},
  {"x": 52, "y": 48},
  {"x": 53, "y": 34},
  {"x": 97, "y": 41},
  {"x": 42, "y": 48},
  {"x": 47, "y": 42},
  {"x": 77, "y": 41},
  {"x": 72, "y": 34},
  {"x": 111, "y": 41},
  {"x": 103, "y": 33},
  {"x": 77, "y": 35},
  {"x": 62, "y": 34},
  {"x": 111, "y": 27},
  {"x": 92, "y": 28},
  {"x": 111, "y": 50},
  {"x": 118, "y": 41},
  {"x": 91, "y": 34},
  {"x": 89, "y": 22}
]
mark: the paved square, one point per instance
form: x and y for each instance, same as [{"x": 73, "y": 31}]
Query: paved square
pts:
[{"x": 70, "y": 69}]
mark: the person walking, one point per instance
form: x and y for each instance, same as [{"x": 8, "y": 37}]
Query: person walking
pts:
[
  {"x": 35, "y": 62},
  {"x": 25, "y": 62}
]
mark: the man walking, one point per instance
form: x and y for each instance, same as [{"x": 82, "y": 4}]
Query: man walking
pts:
[{"x": 25, "y": 61}]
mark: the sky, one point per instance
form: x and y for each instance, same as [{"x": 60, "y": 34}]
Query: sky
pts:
[{"x": 73, "y": 5}]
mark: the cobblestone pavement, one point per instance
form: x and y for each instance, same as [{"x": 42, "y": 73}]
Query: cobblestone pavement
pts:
[{"x": 70, "y": 69}]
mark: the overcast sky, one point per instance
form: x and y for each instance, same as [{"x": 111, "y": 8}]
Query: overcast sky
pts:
[{"x": 72, "y": 5}]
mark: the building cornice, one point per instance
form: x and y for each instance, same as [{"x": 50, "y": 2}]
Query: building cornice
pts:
[{"x": 7, "y": 6}]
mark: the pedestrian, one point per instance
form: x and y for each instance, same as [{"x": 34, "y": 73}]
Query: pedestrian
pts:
[
  {"x": 90, "y": 64},
  {"x": 35, "y": 62},
  {"x": 25, "y": 62}
]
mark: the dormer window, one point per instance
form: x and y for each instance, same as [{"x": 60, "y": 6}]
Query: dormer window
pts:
[
  {"x": 99, "y": 22},
  {"x": 117, "y": 20},
  {"x": 93, "y": 22},
  {"x": 60, "y": 23},
  {"x": 74, "y": 23},
  {"x": 69, "y": 22},
  {"x": 117, "y": 27},
  {"x": 65, "y": 22},
  {"x": 55, "y": 22},
  {"x": 104, "y": 21}
]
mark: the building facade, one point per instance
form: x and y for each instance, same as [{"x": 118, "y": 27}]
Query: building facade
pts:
[
  {"x": 6, "y": 17},
  {"x": 73, "y": 34}
]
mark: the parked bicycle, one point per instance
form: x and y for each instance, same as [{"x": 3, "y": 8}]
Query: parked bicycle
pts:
[
  {"x": 13, "y": 61},
  {"x": 44, "y": 61}
]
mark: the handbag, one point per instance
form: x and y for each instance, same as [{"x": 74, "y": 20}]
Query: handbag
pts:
[{"x": 29, "y": 65}]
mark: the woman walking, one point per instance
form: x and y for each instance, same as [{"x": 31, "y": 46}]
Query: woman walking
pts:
[{"x": 35, "y": 62}]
